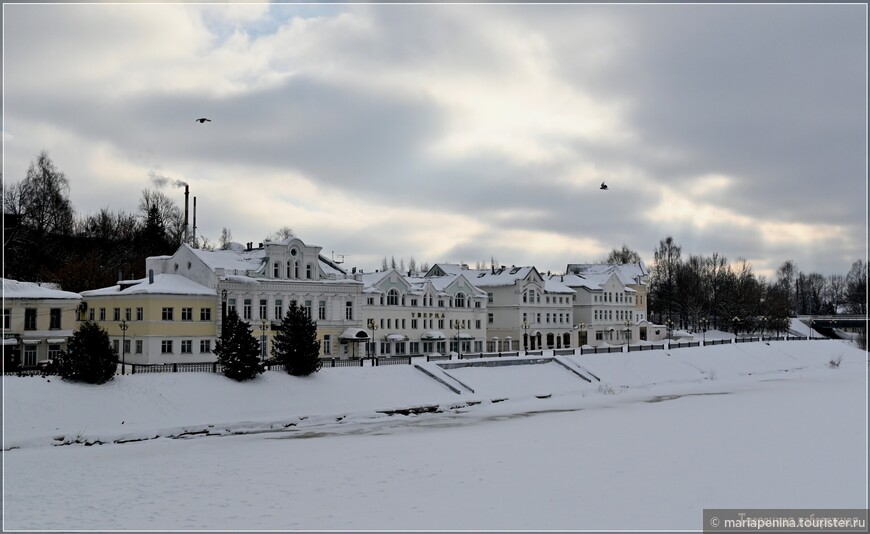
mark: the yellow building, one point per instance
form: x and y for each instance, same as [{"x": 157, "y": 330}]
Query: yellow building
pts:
[
  {"x": 165, "y": 318},
  {"x": 38, "y": 320}
]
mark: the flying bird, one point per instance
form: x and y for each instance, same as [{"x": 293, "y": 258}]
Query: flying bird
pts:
[
  {"x": 203, "y": 120},
  {"x": 603, "y": 186}
]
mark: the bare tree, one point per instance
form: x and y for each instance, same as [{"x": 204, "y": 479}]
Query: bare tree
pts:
[
  {"x": 622, "y": 256},
  {"x": 168, "y": 211},
  {"x": 43, "y": 199},
  {"x": 225, "y": 239},
  {"x": 281, "y": 234}
]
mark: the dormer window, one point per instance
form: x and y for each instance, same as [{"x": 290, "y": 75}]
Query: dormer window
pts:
[{"x": 393, "y": 298}]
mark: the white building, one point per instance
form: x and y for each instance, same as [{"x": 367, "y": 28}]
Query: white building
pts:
[
  {"x": 414, "y": 315},
  {"x": 611, "y": 302},
  {"x": 524, "y": 311}
]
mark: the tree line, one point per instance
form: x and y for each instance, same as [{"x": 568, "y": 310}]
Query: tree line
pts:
[
  {"x": 45, "y": 240},
  {"x": 685, "y": 291}
]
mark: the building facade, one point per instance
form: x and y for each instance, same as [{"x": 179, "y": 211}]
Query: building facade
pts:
[
  {"x": 38, "y": 320},
  {"x": 419, "y": 315},
  {"x": 523, "y": 310}
]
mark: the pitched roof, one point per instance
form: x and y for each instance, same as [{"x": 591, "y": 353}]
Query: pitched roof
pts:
[
  {"x": 628, "y": 273},
  {"x": 13, "y": 289},
  {"x": 164, "y": 284}
]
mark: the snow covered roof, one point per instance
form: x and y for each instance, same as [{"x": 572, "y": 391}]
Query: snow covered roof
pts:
[
  {"x": 554, "y": 285},
  {"x": 13, "y": 289},
  {"x": 238, "y": 261},
  {"x": 164, "y": 284},
  {"x": 628, "y": 273},
  {"x": 591, "y": 281}
]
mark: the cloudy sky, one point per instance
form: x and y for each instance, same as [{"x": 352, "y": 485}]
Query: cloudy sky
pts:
[{"x": 461, "y": 133}]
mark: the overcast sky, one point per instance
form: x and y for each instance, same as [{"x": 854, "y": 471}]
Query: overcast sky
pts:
[{"x": 458, "y": 133}]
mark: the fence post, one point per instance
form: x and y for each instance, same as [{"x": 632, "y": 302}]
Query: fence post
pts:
[
  {"x": 361, "y": 360},
  {"x": 214, "y": 367},
  {"x": 132, "y": 368},
  {"x": 174, "y": 367}
]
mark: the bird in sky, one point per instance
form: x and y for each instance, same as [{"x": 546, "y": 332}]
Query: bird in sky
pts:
[
  {"x": 603, "y": 186},
  {"x": 203, "y": 120}
]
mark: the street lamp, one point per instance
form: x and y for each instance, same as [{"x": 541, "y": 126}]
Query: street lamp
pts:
[
  {"x": 458, "y": 342},
  {"x": 223, "y": 310},
  {"x": 704, "y": 322},
  {"x": 670, "y": 324},
  {"x": 763, "y": 325},
  {"x": 372, "y": 326},
  {"x": 736, "y": 321},
  {"x": 526, "y": 327},
  {"x": 264, "y": 342},
  {"x": 124, "y": 327}
]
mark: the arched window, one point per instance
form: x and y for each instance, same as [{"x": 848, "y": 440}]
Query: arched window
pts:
[
  {"x": 460, "y": 300},
  {"x": 308, "y": 271},
  {"x": 296, "y": 269},
  {"x": 393, "y": 298},
  {"x": 289, "y": 271},
  {"x": 525, "y": 296}
]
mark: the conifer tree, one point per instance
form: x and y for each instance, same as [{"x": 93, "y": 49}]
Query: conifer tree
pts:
[
  {"x": 89, "y": 357},
  {"x": 237, "y": 350},
  {"x": 296, "y": 345}
]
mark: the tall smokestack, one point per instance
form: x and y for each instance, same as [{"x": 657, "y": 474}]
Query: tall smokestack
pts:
[
  {"x": 186, "y": 195},
  {"x": 194, "y": 220}
]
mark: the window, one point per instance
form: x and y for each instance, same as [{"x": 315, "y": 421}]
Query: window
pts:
[
  {"x": 348, "y": 310},
  {"x": 264, "y": 306},
  {"x": 186, "y": 346},
  {"x": 460, "y": 300},
  {"x": 205, "y": 314},
  {"x": 489, "y": 297},
  {"x": 187, "y": 314},
  {"x": 525, "y": 296},
  {"x": 321, "y": 310},
  {"x": 389, "y": 323},
  {"x": 231, "y": 305},
  {"x": 440, "y": 303},
  {"x": 489, "y": 318},
  {"x": 116, "y": 346},
  {"x": 477, "y": 324},
  {"x": 166, "y": 346},
  {"x": 599, "y": 335},
  {"x": 102, "y": 314},
  {"x": 279, "y": 309},
  {"x": 53, "y": 352},
  {"x": 167, "y": 314},
  {"x": 295, "y": 268},
  {"x": 413, "y": 302},
  {"x": 327, "y": 344},
  {"x": 140, "y": 314},
  {"x": 400, "y": 347},
  {"x": 54, "y": 319},
  {"x": 29, "y": 356},
  {"x": 385, "y": 347},
  {"x": 204, "y": 346},
  {"x": 413, "y": 324},
  {"x": 308, "y": 309},
  {"x": 382, "y": 322},
  {"x": 138, "y": 346},
  {"x": 308, "y": 271},
  {"x": 370, "y": 301},
  {"x": 7, "y": 317},
  {"x": 276, "y": 270},
  {"x": 126, "y": 346},
  {"x": 393, "y": 298},
  {"x": 246, "y": 309},
  {"x": 91, "y": 314},
  {"x": 288, "y": 269},
  {"x": 538, "y": 318},
  {"x": 128, "y": 314},
  {"x": 440, "y": 323},
  {"x": 30, "y": 319},
  {"x": 415, "y": 347},
  {"x": 116, "y": 314}
]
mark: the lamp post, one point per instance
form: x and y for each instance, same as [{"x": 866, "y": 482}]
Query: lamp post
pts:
[
  {"x": 627, "y": 324},
  {"x": 736, "y": 321},
  {"x": 670, "y": 324},
  {"x": 704, "y": 322},
  {"x": 124, "y": 327},
  {"x": 223, "y": 310},
  {"x": 372, "y": 326},
  {"x": 526, "y": 327},
  {"x": 763, "y": 326},
  {"x": 458, "y": 342},
  {"x": 582, "y": 335},
  {"x": 263, "y": 340}
]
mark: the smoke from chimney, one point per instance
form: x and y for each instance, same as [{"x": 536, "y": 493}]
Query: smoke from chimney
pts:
[{"x": 159, "y": 180}]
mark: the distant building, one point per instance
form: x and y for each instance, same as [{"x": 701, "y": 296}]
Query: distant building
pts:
[
  {"x": 611, "y": 302},
  {"x": 176, "y": 313},
  {"x": 38, "y": 320},
  {"x": 524, "y": 311},
  {"x": 416, "y": 315}
]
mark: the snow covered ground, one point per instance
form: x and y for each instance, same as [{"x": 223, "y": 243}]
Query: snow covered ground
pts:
[{"x": 653, "y": 440}]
